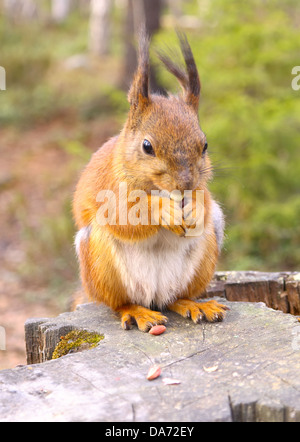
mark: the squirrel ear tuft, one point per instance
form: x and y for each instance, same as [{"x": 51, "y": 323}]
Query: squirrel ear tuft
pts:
[
  {"x": 187, "y": 76},
  {"x": 138, "y": 95}
]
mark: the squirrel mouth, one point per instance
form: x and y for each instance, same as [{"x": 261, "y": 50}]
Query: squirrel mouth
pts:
[
  {"x": 177, "y": 196},
  {"x": 183, "y": 202},
  {"x": 180, "y": 198}
]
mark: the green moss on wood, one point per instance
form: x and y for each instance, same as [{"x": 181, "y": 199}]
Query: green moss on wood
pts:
[{"x": 76, "y": 341}]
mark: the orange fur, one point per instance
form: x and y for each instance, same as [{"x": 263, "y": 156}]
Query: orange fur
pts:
[
  {"x": 212, "y": 311},
  {"x": 143, "y": 317}
]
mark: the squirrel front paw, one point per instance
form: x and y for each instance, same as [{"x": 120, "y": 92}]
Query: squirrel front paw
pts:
[
  {"x": 211, "y": 311},
  {"x": 143, "y": 317},
  {"x": 184, "y": 217},
  {"x": 168, "y": 213},
  {"x": 194, "y": 213}
]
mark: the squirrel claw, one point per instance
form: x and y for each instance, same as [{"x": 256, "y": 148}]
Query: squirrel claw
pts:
[
  {"x": 211, "y": 311},
  {"x": 126, "y": 322},
  {"x": 143, "y": 317}
]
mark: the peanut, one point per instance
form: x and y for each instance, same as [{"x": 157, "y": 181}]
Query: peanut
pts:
[
  {"x": 153, "y": 372},
  {"x": 157, "y": 330}
]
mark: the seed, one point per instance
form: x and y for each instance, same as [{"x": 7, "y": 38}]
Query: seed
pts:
[
  {"x": 170, "y": 381},
  {"x": 157, "y": 330},
  {"x": 210, "y": 369},
  {"x": 153, "y": 372}
]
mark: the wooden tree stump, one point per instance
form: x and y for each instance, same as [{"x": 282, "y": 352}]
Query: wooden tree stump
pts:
[
  {"x": 280, "y": 291},
  {"x": 245, "y": 368}
]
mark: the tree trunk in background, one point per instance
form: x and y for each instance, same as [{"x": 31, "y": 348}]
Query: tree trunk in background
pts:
[
  {"x": 60, "y": 10},
  {"x": 29, "y": 9},
  {"x": 139, "y": 12},
  {"x": 11, "y": 8},
  {"x": 100, "y": 26},
  {"x": 130, "y": 59},
  {"x": 20, "y": 9},
  {"x": 175, "y": 8},
  {"x": 152, "y": 12},
  {"x": 83, "y": 6}
]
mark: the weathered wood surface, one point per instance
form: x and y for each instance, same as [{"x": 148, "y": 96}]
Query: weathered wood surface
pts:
[
  {"x": 245, "y": 368},
  {"x": 280, "y": 290}
]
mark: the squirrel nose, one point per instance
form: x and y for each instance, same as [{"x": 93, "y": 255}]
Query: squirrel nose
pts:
[{"x": 185, "y": 181}]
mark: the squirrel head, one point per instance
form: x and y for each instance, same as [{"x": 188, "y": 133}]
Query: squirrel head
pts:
[{"x": 162, "y": 145}]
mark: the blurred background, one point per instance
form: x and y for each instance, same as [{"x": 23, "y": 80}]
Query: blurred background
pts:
[{"x": 68, "y": 67}]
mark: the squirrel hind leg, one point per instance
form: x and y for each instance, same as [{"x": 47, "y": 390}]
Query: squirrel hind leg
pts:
[
  {"x": 143, "y": 317},
  {"x": 211, "y": 311}
]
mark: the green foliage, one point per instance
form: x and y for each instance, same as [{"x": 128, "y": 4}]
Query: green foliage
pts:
[
  {"x": 50, "y": 254},
  {"x": 110, "y": 102},
  {"x": 30, "y": 52}
]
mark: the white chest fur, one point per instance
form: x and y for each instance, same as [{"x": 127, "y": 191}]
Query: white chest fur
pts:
[{"x": 158, "y": 269}]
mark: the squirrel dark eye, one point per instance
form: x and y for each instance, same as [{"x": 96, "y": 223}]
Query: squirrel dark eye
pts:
[
  {"x": 147, "y": 148},
  {"x": 205, "y": 148}
]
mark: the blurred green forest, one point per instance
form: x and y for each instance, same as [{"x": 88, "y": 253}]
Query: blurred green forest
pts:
[{"x": 245, "y": 52}]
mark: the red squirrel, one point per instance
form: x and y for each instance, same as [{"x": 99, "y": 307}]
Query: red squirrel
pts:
[{"x": 141, "y": 269}]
